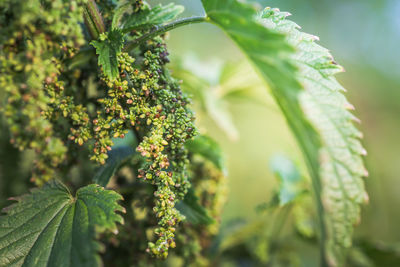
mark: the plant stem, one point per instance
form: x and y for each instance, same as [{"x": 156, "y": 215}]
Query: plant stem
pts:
[
  {"x": 158, "y": 30},
  {"x": 93, "y": 20}
]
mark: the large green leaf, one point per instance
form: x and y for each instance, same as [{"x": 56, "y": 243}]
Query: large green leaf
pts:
[
  {"x": 150, "y": 17},
  {"x": 50, "y": 227},
  {"x": 341, "y": 165},
  {"x": 300, "y": 75},
  {"x": 108, "y": 47}
]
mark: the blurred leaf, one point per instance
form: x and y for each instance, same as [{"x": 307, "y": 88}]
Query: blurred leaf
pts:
[
  {"x": 193, "y": 211},
  {"x": 123, "y": 7},
  {"x": 356, "y": 258},
  {"x": 240, "y": 233},
  {"x": 208, "y": 149},
  {"x": 115, "y": 158},
  {"x": 128, "y": 140},
  {"x": 81, "y": 58},
  {"x": 237, "y": 82},
  {"x": 300, "y": 74},
  {"x": 379, "y": 253},
  {"x": 233, "y": 83},
  {"x": 304, "y": 216},
  {"x": 217, "y": 109},
  {"x": 274, "y": 202},
  {"x": 148, "y": 18},
  {"x": 291, "y": 184},
  {"x": 50, "y": 227},
  {"x": 107, "y": 49},
  {"x": 209, "y": 99},
  {"x": 122, "y": 150}
]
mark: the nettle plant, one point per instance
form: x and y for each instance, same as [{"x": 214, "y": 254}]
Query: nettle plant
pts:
[{"x": 86, "y": 91}]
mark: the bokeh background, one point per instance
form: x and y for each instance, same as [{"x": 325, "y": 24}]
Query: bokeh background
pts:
[{"x": 364, "y": 36}]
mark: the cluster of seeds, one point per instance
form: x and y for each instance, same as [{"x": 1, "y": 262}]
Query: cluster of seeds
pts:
[
  {"x": 32, "y": 33},
  {"x": 47, "y": 108}
]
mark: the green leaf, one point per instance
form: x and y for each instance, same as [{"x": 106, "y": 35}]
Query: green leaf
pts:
[
  {"x": 341, "y": 166},
  {"x": 50, "y": 227},
  {"x": 291, "y": 183},
  {"x": 108, "y": 47},
  {"x": 122, "y": 8},
  {"x": 152, "y": 16},
  {"x": 209, "y": 98},
  {"x": 378, "y": 253},
  {"x": 240, "y": 232},
  {"x": 237, "y": 83},
  {"x": 115, "y": 158},
  {"x": 300, "y": 75},
  {"x": 193, "y": 211},
  {"x": 208, "y": 149},
  {"x": 121, "y": 151}
]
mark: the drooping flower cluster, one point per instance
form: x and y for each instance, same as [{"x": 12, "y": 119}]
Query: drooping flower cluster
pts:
[
  {"x": 147, "y": 98},
  {"x": 47, "y": 79}
]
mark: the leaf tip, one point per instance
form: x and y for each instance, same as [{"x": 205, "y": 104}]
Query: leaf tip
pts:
[
  {"x": 364, "y": 152},
  {"x": 123, "y": 210},
  {"x": 349, "y": 106},
  {"x": 366, "y": 198}
]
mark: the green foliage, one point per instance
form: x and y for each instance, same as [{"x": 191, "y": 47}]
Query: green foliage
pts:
[
  {"x": 193, "y": 211},
  {"x": 207, "y": 148},
  {"x": 150, "y": 17},
  {"x": 50, "y": 227},
  {"x": 108, "y": 47},
  {"x": 339, "y": 155},
  {"x": 217, "y": 88},
  {"x": 289, "y": 177},
  {"x": 131, "y": 128},
  {"x": 31, "y": 36},
  {"x": 190, "y": 206},
  {"x": 122, "y": 150},
  {"x": 310, "y": 98}
]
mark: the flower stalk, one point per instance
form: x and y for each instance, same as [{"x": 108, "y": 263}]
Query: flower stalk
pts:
[{"x": 93, "y": 20}]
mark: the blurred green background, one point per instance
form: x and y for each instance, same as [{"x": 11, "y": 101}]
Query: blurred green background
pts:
[{"x": 364, "y": 37}]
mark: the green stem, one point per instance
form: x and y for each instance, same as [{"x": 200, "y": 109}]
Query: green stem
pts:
[
  {"x": 158, "y": 30},
  {"x": 93, "y": 20}
]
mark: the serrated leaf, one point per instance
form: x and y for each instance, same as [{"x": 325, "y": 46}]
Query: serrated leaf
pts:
[
  {"x": 341, "y": 165},
  {"x": 107, "y": 48},
  {"x": 150, "y": 17},
  {"x": 50, "y": 227},
  {"x": 121, "y": 151},
  {"x": 300, "y": 75}
]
